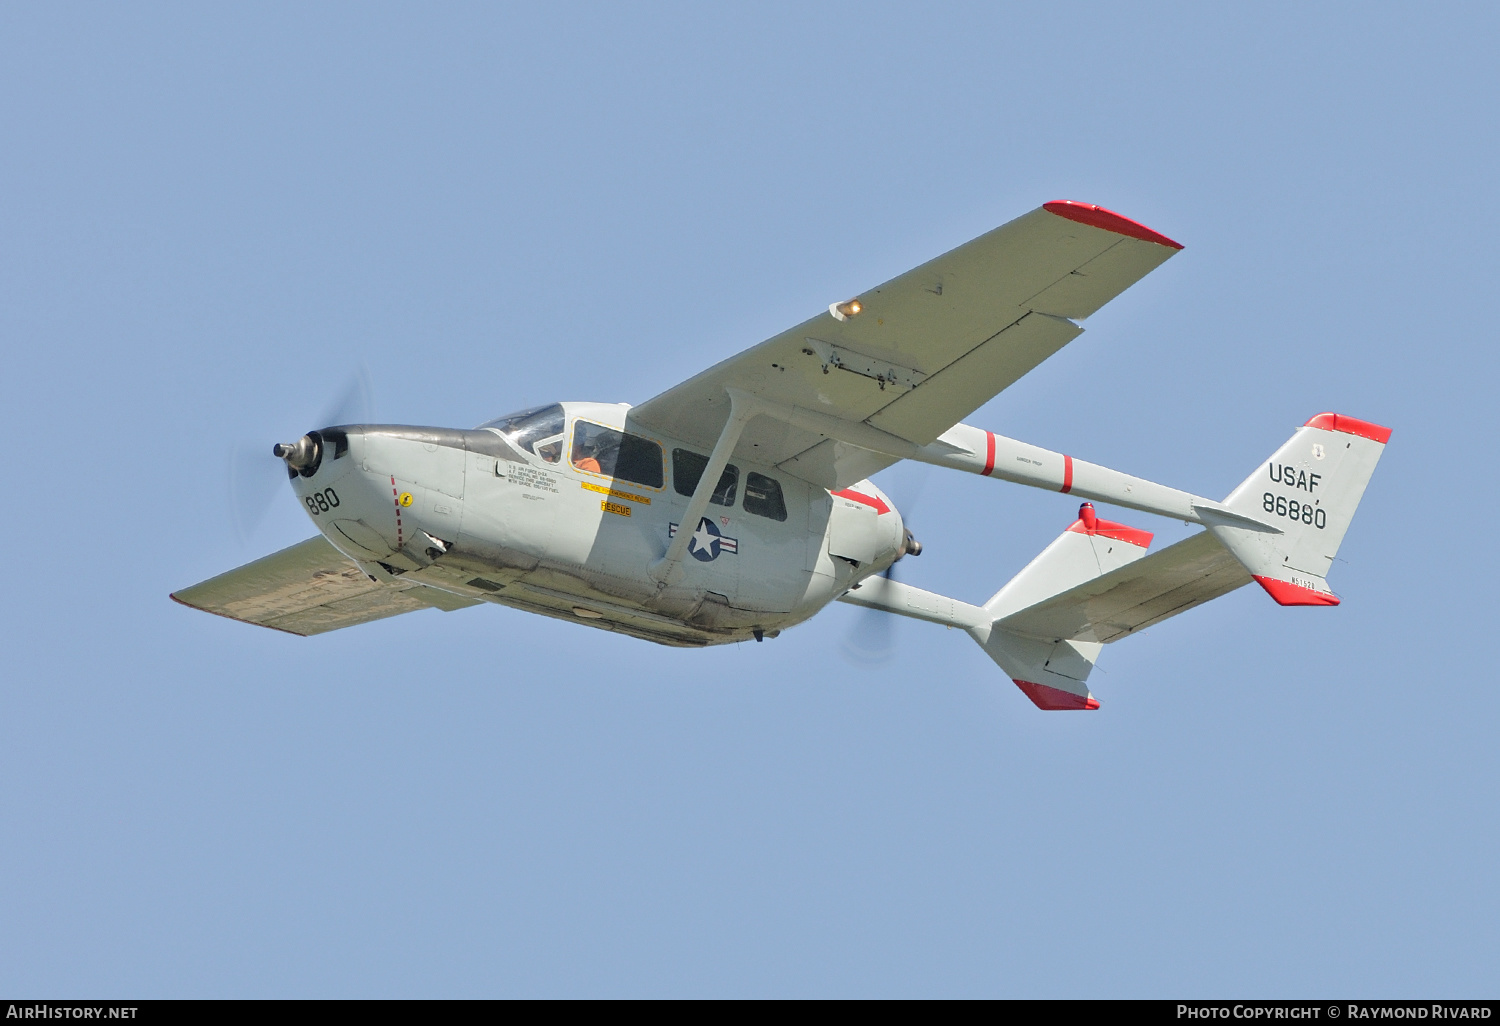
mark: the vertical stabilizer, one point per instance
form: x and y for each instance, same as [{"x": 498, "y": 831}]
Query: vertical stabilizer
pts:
[
  {"x": 1308, "y": 491},
  {"x": 1053, "y": 672}
]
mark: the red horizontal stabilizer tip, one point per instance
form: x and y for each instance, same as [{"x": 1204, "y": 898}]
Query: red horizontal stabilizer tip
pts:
[
  {"x": 1098, "y": 217},
  {"x": 869, "y": 500},
  {"x": 1288, "y": 594},
  {"x": 1055, "y": 698},
  {"x": 1350, "y": 426},
  {"x": 1118, "y": 532}
]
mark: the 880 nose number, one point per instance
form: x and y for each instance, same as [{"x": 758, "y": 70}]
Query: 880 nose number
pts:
[
  {"x": 322, "y": 502},
  {"x": 1294, "y": 510}
]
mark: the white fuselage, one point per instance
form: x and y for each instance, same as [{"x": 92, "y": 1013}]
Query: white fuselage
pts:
[{"x": 535, "y": 526}]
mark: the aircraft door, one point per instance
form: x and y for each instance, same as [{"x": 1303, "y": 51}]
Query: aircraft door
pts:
[
  {"x": 771, "y": 527},
  {"x": 712, "y": 561},
  {"x": 608, "y": 479}
]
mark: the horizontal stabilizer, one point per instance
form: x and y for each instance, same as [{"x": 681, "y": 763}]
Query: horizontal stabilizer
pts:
[{"x": 1132, "y": 598}]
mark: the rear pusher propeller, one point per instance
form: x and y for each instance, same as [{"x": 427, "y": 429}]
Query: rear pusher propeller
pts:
[{"x": 872, "y": 640}]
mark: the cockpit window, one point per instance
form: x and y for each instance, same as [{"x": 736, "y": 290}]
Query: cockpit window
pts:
[
  {"x": 528, "y": 427},
  {"x": 601, "y": 450}
]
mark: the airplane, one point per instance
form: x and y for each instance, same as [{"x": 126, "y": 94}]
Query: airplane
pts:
[{"x": 738, "y": 504}]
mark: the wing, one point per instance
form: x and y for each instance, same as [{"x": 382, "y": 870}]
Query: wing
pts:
[
  {"x": 1135, "y": 596},
  {"x": 309, "y": 588},
  {"x": 925, "y": 349}
]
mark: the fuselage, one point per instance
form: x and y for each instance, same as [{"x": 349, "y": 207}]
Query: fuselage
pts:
[{"x": 564, "y": 510}]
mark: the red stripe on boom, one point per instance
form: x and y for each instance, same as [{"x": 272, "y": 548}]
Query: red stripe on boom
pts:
[
  {"x": 989, "y": 453},
  {"x": 1067, "y": 475},
  {"x": 1098, "y": 217},
  {"x": 1350, "y": 426}
]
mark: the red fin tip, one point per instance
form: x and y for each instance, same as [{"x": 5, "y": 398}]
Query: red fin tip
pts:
[
  {"x": 1044, "y": 697},
  {"x": 1350, "y": 426},
  {"x": 1288, "y": 594}
]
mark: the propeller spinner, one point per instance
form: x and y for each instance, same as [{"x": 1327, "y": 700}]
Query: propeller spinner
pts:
[{"x": 301, "y": 454}]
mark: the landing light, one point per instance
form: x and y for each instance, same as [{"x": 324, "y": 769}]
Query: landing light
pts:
[{"x": 844, "y": 311}]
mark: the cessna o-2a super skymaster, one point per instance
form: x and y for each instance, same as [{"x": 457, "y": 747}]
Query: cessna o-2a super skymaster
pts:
[{"x": 737, "y": 504}]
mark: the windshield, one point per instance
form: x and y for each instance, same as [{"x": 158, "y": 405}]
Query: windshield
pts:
[{"x": 528, "y": 427}]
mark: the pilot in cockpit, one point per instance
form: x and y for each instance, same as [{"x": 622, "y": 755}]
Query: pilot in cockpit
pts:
[{"x": 585, "y": 453}]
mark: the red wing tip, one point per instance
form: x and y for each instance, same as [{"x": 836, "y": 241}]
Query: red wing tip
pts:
[
  {"x": 1098, "y": 217},
  {"x": 1117, "y": 532},
  {"x": 1044, "y": 697},
  {"x": 1289, "y": 594},
  {"x": 1350, "y": 426}
]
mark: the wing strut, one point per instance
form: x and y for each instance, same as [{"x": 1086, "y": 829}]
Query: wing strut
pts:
[{"x": 741, "y": 408}]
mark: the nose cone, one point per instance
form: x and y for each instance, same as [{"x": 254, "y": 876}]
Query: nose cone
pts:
[
  {"x": 351, "y": 506},
  {"x": 375, "y": 490}
]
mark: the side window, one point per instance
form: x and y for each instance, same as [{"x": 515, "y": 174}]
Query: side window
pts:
[
  {"x": 601, "y": 450},
  {"x": 640, "y": 461},
  {"x": 763, "y": 497},
  {"x": 687, "y": 471}
]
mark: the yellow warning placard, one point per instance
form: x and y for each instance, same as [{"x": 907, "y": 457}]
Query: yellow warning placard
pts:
[
  {"x": 614, "y": 507},
  {"x": 616, "y": 492}
]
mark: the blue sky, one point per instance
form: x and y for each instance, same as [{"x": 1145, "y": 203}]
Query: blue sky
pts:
[{"x": 210, "y": 218}]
